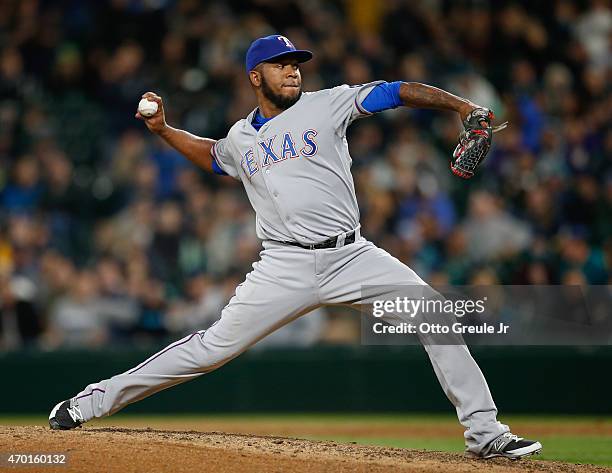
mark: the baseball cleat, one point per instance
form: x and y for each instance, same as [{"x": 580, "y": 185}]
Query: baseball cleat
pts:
[
  {"x": 66, "y": 415},
  {"x": 511, "y": 446}
]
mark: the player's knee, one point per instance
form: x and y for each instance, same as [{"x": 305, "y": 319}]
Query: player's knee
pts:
[{"x": 213, "y": 356}]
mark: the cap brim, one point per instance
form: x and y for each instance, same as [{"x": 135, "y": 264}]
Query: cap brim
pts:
[{"x": 302, "y": 55}]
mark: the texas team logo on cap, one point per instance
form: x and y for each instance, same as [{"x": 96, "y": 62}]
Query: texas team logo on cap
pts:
[
  {"x": 286, "y": 41},
  {"x": 273, "y": 47}
]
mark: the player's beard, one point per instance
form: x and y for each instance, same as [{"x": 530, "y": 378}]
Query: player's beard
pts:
[{"x": 279, "y": 101}]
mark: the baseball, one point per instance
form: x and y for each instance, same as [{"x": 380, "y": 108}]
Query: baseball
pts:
[{"x": 147, "y": 108}]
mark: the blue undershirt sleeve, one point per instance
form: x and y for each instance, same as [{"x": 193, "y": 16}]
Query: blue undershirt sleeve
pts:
[
  {"x": 383, "y": 97},
  {"x": 216, "y": 169}
]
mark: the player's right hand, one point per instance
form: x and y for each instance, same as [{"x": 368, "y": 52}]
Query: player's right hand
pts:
[{"x": 157, "y": 122}]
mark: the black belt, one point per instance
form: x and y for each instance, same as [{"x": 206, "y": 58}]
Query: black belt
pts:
[{"x": 329, "y": 243}]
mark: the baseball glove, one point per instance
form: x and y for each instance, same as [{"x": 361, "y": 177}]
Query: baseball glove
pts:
[{"x": 474, "y": 142}]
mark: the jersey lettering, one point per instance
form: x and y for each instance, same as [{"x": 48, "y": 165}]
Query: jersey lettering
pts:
[
  {"x": 310, "y": 147},
  {"x": 266, "y": 146},
  {"x": 287, "y": 150},
  {"x": 289, "y": 147},
  {"x": 249, "y": 164}
]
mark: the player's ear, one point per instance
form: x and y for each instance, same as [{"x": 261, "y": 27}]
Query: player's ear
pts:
[{"x": 255, "y": 78}]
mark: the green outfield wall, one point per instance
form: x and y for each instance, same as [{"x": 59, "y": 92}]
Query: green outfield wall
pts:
[{"x": 326, "y": 379}]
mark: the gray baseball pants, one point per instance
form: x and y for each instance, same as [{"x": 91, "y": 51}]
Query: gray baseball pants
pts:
[{"x": 285, "y": 283}]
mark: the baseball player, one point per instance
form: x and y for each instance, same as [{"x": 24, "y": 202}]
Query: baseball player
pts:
[{"x": 291, "y": 155}]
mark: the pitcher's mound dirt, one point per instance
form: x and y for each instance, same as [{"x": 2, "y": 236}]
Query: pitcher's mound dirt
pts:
[{"x": 121, "y": 450}]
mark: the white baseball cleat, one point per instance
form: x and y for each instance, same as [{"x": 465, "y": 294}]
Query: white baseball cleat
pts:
[
  {"x": 511, "y": 446},
  {"x": 66, "y": 415}
]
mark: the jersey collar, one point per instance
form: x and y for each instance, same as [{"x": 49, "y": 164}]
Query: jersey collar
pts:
[{"x": 250, "y": 116}]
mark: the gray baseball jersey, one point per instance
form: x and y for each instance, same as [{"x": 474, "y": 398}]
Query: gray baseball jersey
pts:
[
  {"x": 296, "y": 168},
  {"x": 296, "y": 171}
]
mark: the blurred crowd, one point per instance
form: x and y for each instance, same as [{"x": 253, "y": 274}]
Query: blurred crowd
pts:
[{"x": 108, "y": 235}]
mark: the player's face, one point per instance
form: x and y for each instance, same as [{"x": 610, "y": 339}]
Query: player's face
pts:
[{"x": 281, "y": 82}]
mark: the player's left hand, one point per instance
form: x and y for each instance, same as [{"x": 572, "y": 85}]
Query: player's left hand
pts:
[{"x": 474, "y": 142}]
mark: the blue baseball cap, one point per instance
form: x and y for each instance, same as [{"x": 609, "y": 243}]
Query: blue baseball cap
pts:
[{"x": 272, "y": 47}]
